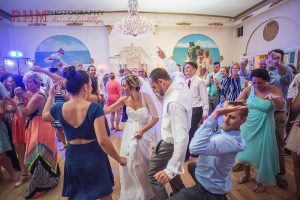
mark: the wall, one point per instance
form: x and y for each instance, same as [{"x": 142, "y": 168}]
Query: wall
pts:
[
  {"x": 4, "y": 39},
  {"x": 27, "y": 39},
  {"x": 167, "y": 37},
  {"x": 288, "y": 17}
]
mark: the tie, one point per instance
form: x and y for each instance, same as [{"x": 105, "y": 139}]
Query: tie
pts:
[{"x": 189, "y": 83}]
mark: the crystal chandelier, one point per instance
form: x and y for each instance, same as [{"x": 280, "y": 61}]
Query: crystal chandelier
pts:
[{"x": 133, "y": 24}]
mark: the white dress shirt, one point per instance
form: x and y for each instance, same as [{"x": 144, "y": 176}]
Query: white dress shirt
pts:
[
  {"x": 176, "y": 122},
  {"x": 199, "y": 93}
]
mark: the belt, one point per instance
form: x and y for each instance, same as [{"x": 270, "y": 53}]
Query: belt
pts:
[{"x": 279, "y": 111}]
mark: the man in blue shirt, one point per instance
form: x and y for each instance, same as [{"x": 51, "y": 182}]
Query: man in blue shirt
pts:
[{"x": 217, "y": 153}]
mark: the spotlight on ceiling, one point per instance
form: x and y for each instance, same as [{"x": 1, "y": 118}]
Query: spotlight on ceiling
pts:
[
  {"x": 9, "y": 62},
  {"x": 16, "y": 54}
]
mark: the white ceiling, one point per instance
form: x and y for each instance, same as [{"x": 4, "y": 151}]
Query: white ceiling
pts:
[{"x": 228, "y": 8}]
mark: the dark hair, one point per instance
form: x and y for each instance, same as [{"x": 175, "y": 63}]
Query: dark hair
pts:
[
  {"x": 293, "y": 68},
  {"x": 112, "y": 76},
  {"x": 159, "y": 73},
  {"x": 243, "y": 112},
  {"x": 260, "y": 73},
  {"x": 94, "y": 85},
  {"x": 18, "y": 80},
  {"x": 121, "y": 71},
  {"x": 88, "y": 69},
  {"x": 75, "y": 79},
  {"x": 193, "y": 64},
  {"x": 4, "y": 76},
  {"x": 217, "y": 63},
  {"x": 278, "y": 51}
]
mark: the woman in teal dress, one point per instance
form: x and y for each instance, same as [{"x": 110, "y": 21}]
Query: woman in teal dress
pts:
[{"x": 259, "y": 130}]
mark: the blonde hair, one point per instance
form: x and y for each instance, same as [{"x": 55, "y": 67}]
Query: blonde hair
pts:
[
  {"x": 35, "y": 76},
  {"x": 133, "y": 82}
]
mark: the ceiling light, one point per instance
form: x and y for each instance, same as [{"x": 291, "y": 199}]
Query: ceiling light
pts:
[{"x": 133, "y": 24}]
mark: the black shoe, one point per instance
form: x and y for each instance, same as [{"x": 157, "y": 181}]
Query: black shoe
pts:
[{"x": 287, "y": 152}]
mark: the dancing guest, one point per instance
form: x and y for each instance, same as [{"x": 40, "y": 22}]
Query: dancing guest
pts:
[
  {"x": 216, "y": 154},
  {"x": 198, "y": 89},
  {"x": 232, "y": 86},
  {"x": 5, "y": 146},
  {"x": 280, "y": 76},
  {"x": 211, "y": 80},
  {"x": 292, "y": 144},
  {"x": 87, "y": 173},
  {"x": 138, "y": 137},
  {"x": 18, "y": 124},
  {"x": 41, "y": 150},
  {"x": 114, "y": 93},
  {"x": 166, "y": 163},
  {"x": 259, "y": 130}
]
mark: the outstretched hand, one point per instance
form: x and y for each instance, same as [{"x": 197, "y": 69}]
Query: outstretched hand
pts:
[
  {"x": 271, "y": 97},
  {"x": 160, "y": 53}
]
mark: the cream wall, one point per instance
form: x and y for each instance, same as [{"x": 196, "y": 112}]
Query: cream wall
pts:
[
  {"x": 288, "y": 17},
  {"x": 167, "y": 37}
]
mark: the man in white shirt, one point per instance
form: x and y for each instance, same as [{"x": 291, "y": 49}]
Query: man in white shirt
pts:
[
  {"x": 166, "y": 163},
  {"x": 198, "y": 90}
]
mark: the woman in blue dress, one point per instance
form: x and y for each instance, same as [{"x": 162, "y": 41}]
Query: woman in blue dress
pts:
[
  {"x": 87, "y": 173},
  {"x": 259, "y": 130}
]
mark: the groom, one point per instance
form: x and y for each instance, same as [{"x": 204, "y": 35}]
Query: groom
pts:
[{"x": 166, "y": 163}]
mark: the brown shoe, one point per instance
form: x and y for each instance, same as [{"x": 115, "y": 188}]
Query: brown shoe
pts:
[
  {"x": 237, "y": 167},
  {"x": 281, "y": 181}
]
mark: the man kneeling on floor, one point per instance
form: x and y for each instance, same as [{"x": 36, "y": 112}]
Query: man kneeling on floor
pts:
[{"x": 217, "y": 151}]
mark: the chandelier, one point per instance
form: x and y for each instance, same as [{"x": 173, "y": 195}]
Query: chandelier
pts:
[{"x": 133, "y": 24}]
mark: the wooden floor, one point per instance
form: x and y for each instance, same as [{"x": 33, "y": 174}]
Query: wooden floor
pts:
[{"x": 239, "y": 192}]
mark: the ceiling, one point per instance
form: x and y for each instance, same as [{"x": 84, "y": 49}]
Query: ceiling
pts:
[{"x": 228, "y": 8}]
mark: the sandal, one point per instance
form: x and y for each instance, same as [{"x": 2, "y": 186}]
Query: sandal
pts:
[
  {"x": 23, "y": 179},
  {"x": 237, "y": 167},
  {"x": 112, "y": 128},
  {"x": 118, "y": 129},
  {"x": 259, "y": 188},
  {"x": 244, "y": 179}
]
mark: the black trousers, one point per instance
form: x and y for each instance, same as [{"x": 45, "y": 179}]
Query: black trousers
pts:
[
  {"x": 197, "y": 191},
  {"x": 196, "y": 117}
]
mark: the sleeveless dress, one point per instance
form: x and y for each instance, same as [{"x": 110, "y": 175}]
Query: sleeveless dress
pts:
[
  {"x": 259, "y": 134},
  {"x": 40, "y": 154},
  {"x": 133, "y": 176},
  {"x": 87, "y": 172}
]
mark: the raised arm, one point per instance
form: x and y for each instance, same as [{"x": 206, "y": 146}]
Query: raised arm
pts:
[
  {"x": 46, "y": 115},
  {"x": 115, "y": 106},
  {"x": 53, "y": 76}
]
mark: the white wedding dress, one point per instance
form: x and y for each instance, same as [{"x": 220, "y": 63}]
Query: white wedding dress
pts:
[{"x": 133, "y": 176}]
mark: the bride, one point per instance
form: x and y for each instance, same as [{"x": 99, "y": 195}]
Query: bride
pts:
[{"x": 139, "y": 136}]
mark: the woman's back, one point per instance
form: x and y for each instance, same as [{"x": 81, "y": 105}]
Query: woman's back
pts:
[{"x": 77, "y": 119}]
